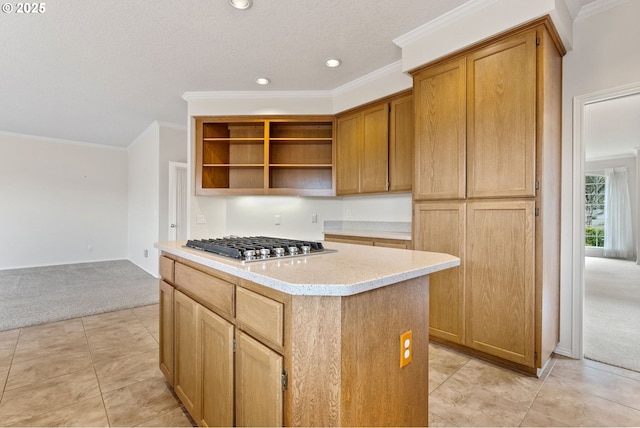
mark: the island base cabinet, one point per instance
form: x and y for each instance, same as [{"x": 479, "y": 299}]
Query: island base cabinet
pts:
[
  {"x": 216, "y": 369},
  {"x": 166, "y": 331},
  {"x": 328, "y": 361},
  {"x": 186, "y": 382},
  {"x": 203, "y": 362},
  {"x": 259, "y": 388}
]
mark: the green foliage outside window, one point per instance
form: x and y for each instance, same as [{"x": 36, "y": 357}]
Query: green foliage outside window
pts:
[{"x": 594, "y": 236}]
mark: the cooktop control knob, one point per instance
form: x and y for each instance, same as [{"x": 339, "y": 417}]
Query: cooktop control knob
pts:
[
  {"x": 264, "y": 253},
  {"x": 249, "y": 254},
  {"x": 279, "y": 252}
]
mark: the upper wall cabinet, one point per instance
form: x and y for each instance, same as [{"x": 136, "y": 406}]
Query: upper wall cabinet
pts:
[
  {"x": 441, "y": 126},
  {"x": 374, "y": 147},
  {"x": 264, "y": 156},
  {"x": 476, "y": 123}
]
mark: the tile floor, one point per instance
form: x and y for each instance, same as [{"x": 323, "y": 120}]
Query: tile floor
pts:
[{"x": 102, "y": 370}]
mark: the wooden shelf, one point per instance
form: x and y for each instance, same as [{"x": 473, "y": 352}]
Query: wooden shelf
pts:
[{"x": 265, "y": 155}]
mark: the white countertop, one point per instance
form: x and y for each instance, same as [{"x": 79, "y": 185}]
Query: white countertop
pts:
[{"x": 351, "y": 270}]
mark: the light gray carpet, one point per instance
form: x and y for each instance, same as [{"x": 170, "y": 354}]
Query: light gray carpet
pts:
[
  {"x": 52, "y": 293},
  {"x": 612, "y": 312}
]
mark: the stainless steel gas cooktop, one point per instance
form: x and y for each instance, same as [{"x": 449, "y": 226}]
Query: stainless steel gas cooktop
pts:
[{"x": 258, "y": 248}]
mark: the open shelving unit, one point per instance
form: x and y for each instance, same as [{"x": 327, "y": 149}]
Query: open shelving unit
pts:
[{"x": 265, "y": 156}]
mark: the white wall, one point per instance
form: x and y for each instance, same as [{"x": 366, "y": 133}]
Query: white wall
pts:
[
  {"x": 605, "y": 55},
  {"x": 143, "y": 200},
  {"x": 61, "y": 202},
  {"x": 148, "y": 169}
]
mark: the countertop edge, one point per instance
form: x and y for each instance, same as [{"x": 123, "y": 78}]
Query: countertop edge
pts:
[{"x": 309, "y": 289}]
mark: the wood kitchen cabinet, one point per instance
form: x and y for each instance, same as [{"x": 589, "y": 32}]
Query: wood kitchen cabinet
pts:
[
  {"x": 374, "y": 147},
  {"x": 259, "y": 390},
  {"x": 440, "y": 226},
  {"x": 499, "y": 279},
  {"x": 186, "y": 359},
  {"x": 486, "y": 189},
  {"x": 401, "y": 143},
  {"x": 166, "y": 331},
  {"x": 290, "y": 155},
  {"x": 220, "y": 386}
]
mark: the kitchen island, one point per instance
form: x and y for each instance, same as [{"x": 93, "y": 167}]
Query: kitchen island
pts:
[{"x": 317, "y": 340}]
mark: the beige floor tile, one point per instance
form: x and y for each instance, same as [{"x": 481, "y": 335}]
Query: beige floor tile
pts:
[
  {"x": 45, "y": 347},
  {"x": 148, "y": 313},
  {"x": 149, "y": 316},
  {"x": 175, "y": 418},
  {"x": 611, "y": 369},
  {"x": 129, "y": 370},
  {"x": 109, "y": 319},
  {"x": 438, "y": 421},
  {"x": 443, "y": 363},
  {"x": 139, "y": 402},
  {"x": 110, "y": 344},
  {"x": 561, "y": 405},
  {"x": 20, "y": 404},
  {"x": 8, "y": 341},
  {"x": 483, "y": 394},
  {"x": 86, "y": 413},
  {"x": 35, "y": 370},
  {"x": 583, "y": 378},
  {"x": 55, "y": 330},
  {"x": 4, "y": 373}
]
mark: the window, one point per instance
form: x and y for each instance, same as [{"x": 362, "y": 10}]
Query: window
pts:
[{"x": 594, "y": 210}]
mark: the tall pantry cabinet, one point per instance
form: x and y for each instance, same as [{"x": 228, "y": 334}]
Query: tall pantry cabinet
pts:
[{"x": 487, "y": 189}]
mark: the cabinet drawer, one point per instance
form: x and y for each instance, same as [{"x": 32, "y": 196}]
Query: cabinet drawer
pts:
[
  {"x": 208, "y": 290},
  {"x": 166, "y": 269},
  {"x": 260, "y": 315}
]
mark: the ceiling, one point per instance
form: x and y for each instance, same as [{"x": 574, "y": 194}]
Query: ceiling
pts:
[
  {"x": 612, "y": 127},
  {"x": 101, "y": 72}
]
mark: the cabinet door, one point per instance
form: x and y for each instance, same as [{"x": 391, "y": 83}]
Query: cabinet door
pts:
[
  {"x": 215, "y": 337},
  {"x": 500, "y": 289},
  {"x": 440, "y": 227},
  {"x": 502, "y": 118},
  {"x": 186, "y": 380},
  {"x": 374, "y": 156},
  {"x": 401, "y": 132},
  {"x": 349, "y": 139},
  {"x": 166, "y": 331},
  {"x": 440, "y": 116},
  {"x": 258, "y": 383}
]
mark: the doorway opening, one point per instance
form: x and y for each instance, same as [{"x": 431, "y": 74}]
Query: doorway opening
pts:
[
  {"x": 177, "y": 201},
  {"x": 591, "y": 295}
]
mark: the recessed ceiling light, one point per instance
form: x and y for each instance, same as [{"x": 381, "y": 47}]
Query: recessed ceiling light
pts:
[
  {"x": 262, "y": 81},
  {"x": 332, "y": 62},
  {"x": 240, "y": 4}
]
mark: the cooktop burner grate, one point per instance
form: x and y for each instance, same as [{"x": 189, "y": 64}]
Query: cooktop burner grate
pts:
[{"x": 256, "y": 247}]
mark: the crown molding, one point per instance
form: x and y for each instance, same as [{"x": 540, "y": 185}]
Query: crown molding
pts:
[
  {"x": 394, "y": 67},
  {"x": 207, "y": 95},
  {"x": 597, "y": 7},
  {"x": 62, "y": 141},
  {"x": 442, "y": 21}
]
